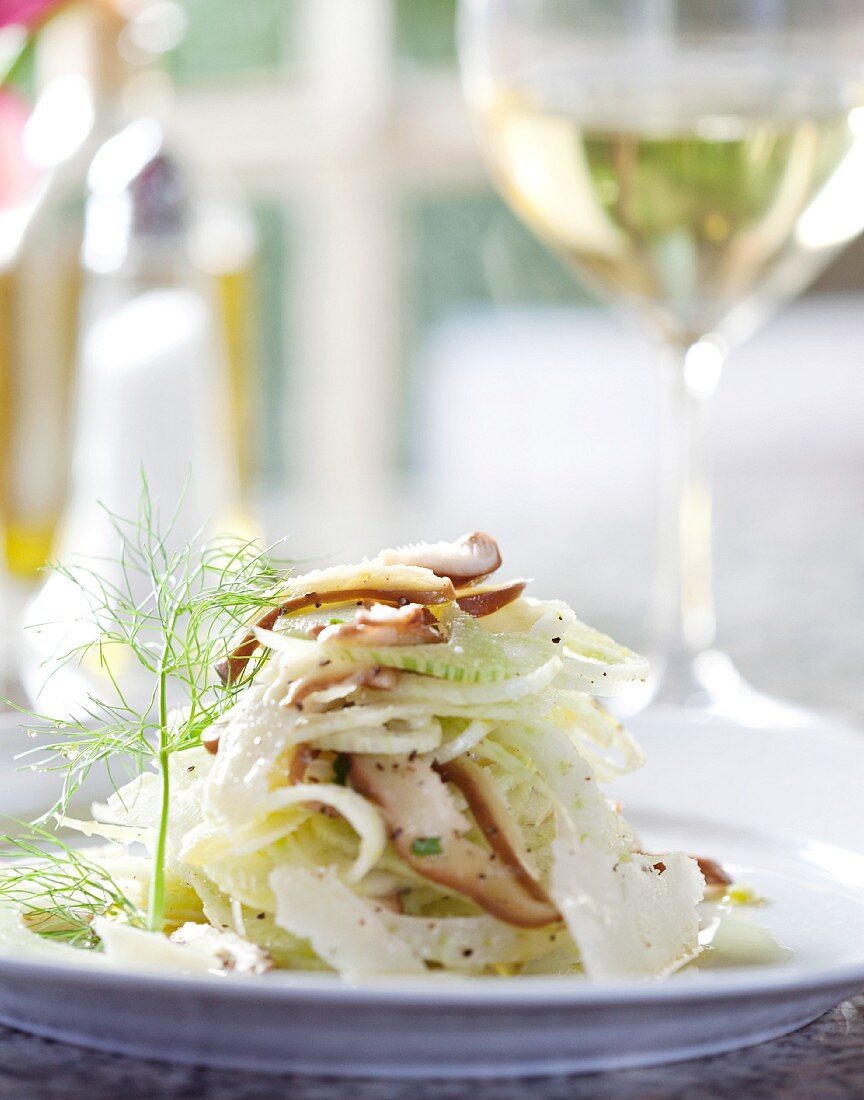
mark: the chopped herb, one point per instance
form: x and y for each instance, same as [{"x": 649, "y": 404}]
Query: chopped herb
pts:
[
  {"x": 341, "y": 767},
  {"x": 336, "y": 622},
  {"x": 426, "y": 846}
]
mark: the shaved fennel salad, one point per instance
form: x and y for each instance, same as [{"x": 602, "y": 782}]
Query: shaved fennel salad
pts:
[{"x": 392, "y": 767}]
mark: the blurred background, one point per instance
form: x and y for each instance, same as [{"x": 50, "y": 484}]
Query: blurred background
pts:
[{"x": 258, "y": 238}]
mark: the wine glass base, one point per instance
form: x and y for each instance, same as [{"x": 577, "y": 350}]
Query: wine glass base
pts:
[{"x": 711, "y": 685}]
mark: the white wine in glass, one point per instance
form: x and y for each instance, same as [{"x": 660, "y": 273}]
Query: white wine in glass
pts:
[{"x": 698, "y": 164}]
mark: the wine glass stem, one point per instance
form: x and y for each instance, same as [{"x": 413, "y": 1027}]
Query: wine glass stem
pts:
[{"x": 686, "y": 621}]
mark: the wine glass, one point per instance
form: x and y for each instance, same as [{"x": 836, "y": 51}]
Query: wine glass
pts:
[{"x": 698, "y": 163}]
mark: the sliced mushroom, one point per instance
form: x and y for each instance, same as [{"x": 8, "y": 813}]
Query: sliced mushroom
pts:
[
  {"x": 427, "y": 831},
  {"x": 716, "y": 876},
  {"x": 492, "y": 815},
  {"x": 469, "y": 559},
  {"x": 375, "y": 677},
  {"x": 481, "y": 601},
  {"x": 301, "y": 758},
  {"x": 297, "y": 773},
  {"x": 381, "y": 625},
  {"x": 231, "y": 669},
  {"x": 210, "y": 737}
]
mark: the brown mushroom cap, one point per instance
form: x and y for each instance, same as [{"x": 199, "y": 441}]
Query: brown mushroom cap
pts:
[
  {"x": 487, "y": 599},
  {"x": 716, "y": 876},
  {"x": 210, "y": 738},
  {"x": 417, "y": 806},
  {"x": 469, "y": 559}
]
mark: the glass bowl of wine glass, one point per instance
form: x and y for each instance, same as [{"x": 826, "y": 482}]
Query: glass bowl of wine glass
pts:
[{"x": 697, "y": 164}]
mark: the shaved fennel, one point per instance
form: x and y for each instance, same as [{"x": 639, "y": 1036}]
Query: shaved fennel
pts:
[{"x": 362, "y": 777}]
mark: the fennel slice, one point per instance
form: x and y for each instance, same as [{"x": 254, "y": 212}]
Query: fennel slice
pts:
[{"x": 471, "y": 655}]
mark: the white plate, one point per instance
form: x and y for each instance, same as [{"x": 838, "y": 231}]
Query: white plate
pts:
[{"x": 783, "y": 809}]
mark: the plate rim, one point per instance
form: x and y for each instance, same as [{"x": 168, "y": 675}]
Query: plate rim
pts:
[{"x": 491, "y": 993}]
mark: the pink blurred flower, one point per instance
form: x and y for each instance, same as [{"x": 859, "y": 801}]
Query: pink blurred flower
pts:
[
  {"x": 17, "y": 175},
  {"x": 24, "y": 12}
]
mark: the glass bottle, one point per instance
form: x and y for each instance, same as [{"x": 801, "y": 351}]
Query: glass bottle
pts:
[
  {"x": 163, "y": 356},
  {"x": 106, "y": 51}
]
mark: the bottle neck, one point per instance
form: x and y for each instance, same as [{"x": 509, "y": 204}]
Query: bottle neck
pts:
[{"x": 110, "y": 72}]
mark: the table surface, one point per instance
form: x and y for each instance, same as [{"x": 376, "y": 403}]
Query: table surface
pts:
[
  {"x": 791, "y": 597},
  {"x": 824, "y": 1060}
]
